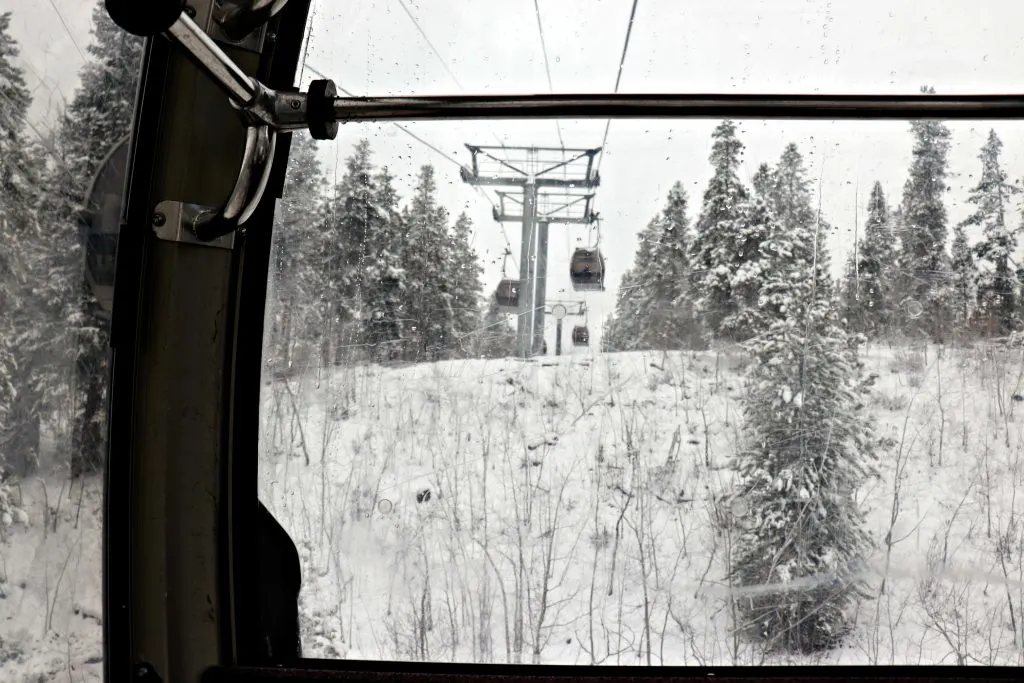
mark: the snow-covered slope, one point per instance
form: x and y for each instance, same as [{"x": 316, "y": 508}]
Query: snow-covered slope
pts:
[{"x": 575, "y": 514}]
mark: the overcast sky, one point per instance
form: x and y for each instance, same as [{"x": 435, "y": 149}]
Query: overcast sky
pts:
[{"x": 868, "y": 46}]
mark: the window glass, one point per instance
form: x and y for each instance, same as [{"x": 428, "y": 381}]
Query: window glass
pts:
[
  {"x": 745, "y": 46},
  {"x": 68, "y": 79},
  {"x": 785, "y": 431}
]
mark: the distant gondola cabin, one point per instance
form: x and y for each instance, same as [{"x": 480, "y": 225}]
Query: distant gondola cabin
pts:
[
  {"x": 580, "y": 336},
  {"x": 587, "y": 270},
  {"x": 507, "y": 296}
]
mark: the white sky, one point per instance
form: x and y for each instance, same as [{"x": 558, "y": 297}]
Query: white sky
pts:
[{"x": 868, "y": 46}]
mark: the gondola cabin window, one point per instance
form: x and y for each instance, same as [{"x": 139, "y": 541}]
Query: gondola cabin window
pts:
[
  {"x": 810, "y": 286},
  {"x": 507, "y": 296},
  {"x": 580, "y": 336},
  {"x": 587, "y": 270}
]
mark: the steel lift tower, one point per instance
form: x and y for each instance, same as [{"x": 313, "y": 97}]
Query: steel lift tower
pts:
[{"x": 563, "y": 173}]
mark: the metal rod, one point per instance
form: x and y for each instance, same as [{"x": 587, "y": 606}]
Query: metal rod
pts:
[
  {"x": 222, "y": 69},
  {"x": 524, "y": 328},
  {"x": 828, "y": 107},
  {"x": 542, "y": 285}
]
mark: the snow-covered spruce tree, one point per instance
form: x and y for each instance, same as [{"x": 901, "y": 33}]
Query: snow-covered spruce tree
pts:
[
  {"x": 748, "y": 320},
  {"x": 384, "y": 276},
  {"x": 20, "y": 338},
  {"x": 998, "y": 286},
  {"x": 295, "y": 276},
  {"x": 99, "y": 115},
  {"x": 352, "y": 216},
  {"x": 763, "y": 182},
  {"x": 870, "y": 295},
  {"x": 466, "y": 286},
  {"x": 963, "y": 283},
  {"x": 619, "y": 333},
  {"x": 792, "y": 199},
  {"x": 924, "y": 264},
  {"x": 809, "y": 447},
  {"x": 719, "y": 231},
  {"x": 654, "y": 302},
  {"x": 428, "y": 260}
]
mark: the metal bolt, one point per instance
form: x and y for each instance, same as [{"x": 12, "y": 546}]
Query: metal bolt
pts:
[
  {"x": 159, "y": 219},
  {"x": 190, "y": 11},
  {"x": 295, "y": 104}
]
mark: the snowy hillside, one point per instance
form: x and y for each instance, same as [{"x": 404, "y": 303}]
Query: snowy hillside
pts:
[
  {"x": 572, "y": 514},
  {"x": 51, "y": 607}
]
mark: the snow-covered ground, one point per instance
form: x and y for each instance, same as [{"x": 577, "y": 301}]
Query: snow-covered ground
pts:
[
  {"x": 51, "y": 607},
  {"x": 572, "y": 515}
]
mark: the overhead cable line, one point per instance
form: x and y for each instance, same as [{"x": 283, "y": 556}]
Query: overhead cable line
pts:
[
  {"x": 618, "y": 78},
  {"x": 67, "y": 30},
  {"x": 441, "y": 59},
  {"x": 444, "y": 155},
  {"x": 547, "y": 65}
]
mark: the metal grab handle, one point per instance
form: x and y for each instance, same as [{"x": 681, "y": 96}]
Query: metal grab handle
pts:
[{"x": 209, "y": 224}]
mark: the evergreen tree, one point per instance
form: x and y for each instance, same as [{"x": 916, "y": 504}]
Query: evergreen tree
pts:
[
  {"x": 963, "y": 280},
  {"x": 466, "y": 285},
  {"x": 620, "y": 327},
  {"x": 428, "y": 260},
  {"x": 20, "y": 391},
  {"x": 353, "y": 217},
  {"x": 717, "y": 249},
  {"x": 870, "y": 292},
  {"x": 763, "y": 182},
  {"x": 791, "y": 193},
  {"x": 295, "y": 275},
  {"x": 793, "y": 208},
  {"x": 99, "y": 115},
  {"x": 654, "y": 303},
  {"x": 998, "y": 285},
  {"x": 809, "y": 447},
  {"x": 924, "y": 263},
  {"x": 385, "y": 276},
  {"x": 748, "y": 317}
]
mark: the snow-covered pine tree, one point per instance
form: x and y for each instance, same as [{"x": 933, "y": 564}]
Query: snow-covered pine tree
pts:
[
  {"x": 20, "y": 338},
  {"x": 293, "y": 327},
  {"x": 964, "y": 284},
  {"x": 353, "y": 216},
  {"x": 998, "y": 286},
  {"x": 792, "y": 199},
  {"x": 924, "y": 263},
  {"x": 763, "y": 182},
  {"x": 466, "y": 285},
  {"x": 870, "y": 295},
  {"x": 385, "y": 276},
  {"x": 670, "y": 321},
  {"x": 428, "y": 261},
  {"x": 787, "y": 210},
  {"x": 619, "y": 332},
  {"x": 654, "y": 302},
  {"x": 720, "y": 230},
  {"x": 99, "y": 115},
  {"x": 809, "y": 447}
]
